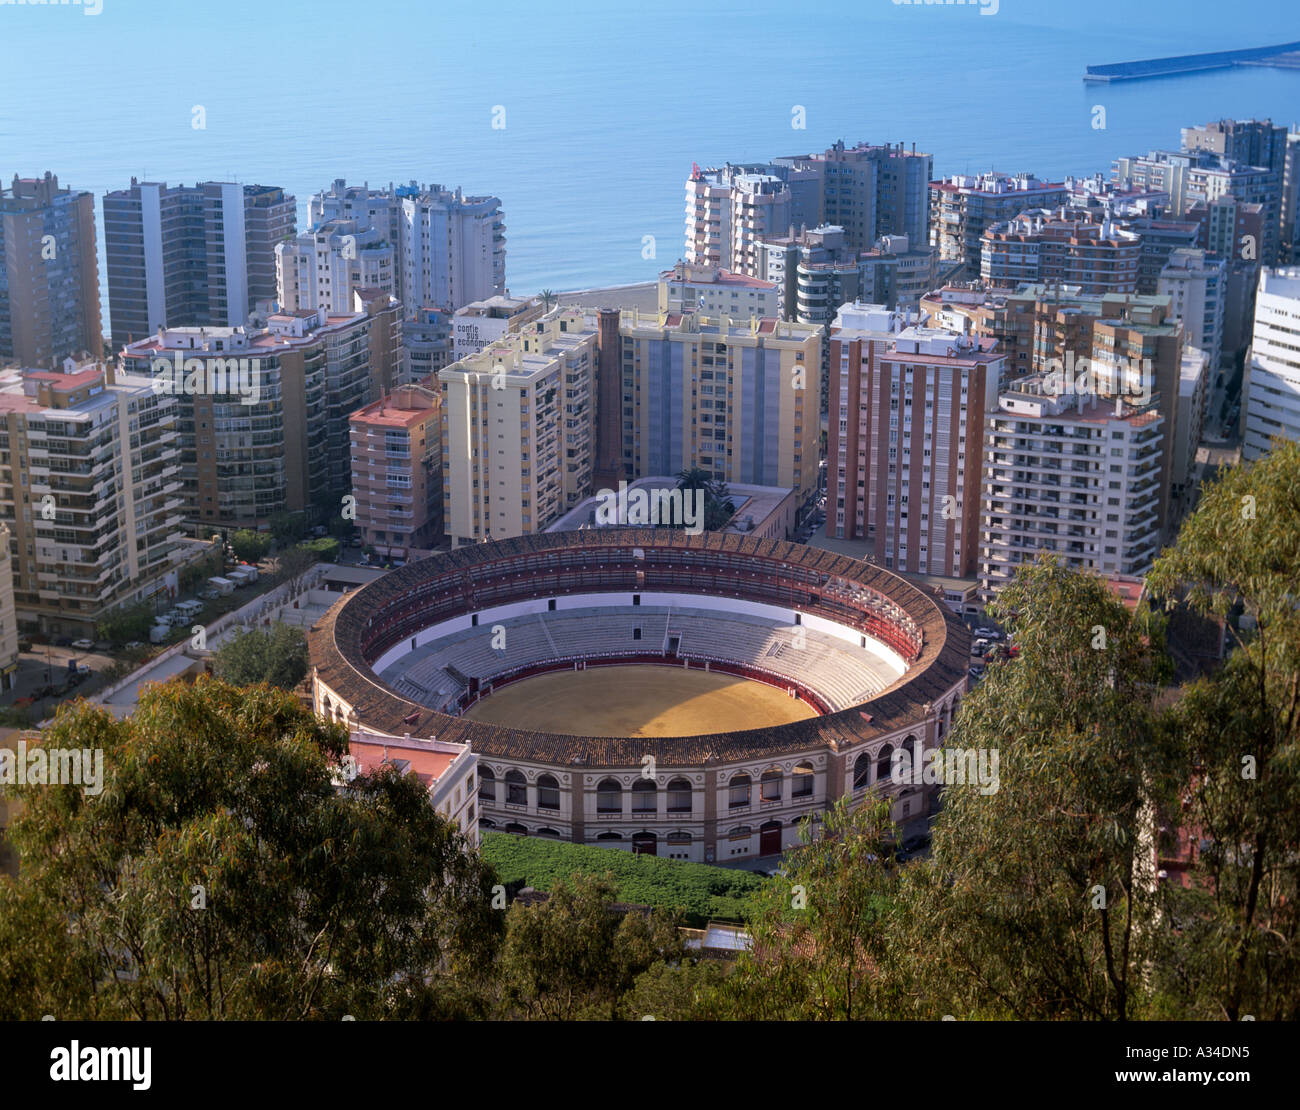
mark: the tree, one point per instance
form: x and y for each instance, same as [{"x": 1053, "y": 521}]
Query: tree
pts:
[
  {"x": 718, "y": 506},
  {"x": 226, "y": 872},
  {"x": 195, "y": 574},
  {"x": 277, "y": 657},
  {"x": 250, "y": 546},
  {"x": 292, "y": 563},
  {"x": 691, "y": 990},
  {"x": 574, "y": 957},
  {"x": 1237, "y": 946},
  {"x": 548, "y": 298},
  {"x": 1040, "y": 900},
  {"x": 288, "y": 528},
  {"x": 820, "y": 938},
  {"x": 130, "y": 622}
]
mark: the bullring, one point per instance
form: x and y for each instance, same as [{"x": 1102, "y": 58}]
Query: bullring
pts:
[{"x": 811, "y": 616}]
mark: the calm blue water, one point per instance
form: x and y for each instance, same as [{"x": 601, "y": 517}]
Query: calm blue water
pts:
[{"x": 605, "y": 110}]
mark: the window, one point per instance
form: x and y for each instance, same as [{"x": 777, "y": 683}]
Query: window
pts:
[
  {"x": 739, "y": 791},
  {"x": 883, "y": 762},
  {"x": 802, "y": 784},
  {"x": 644, "y": 795},
  {"x": 769, "y": 788},
  {"x": 487, "y": 785},
  {"x": 548, "y": 793},
  {"x": 516, "y": 789},
  {"x": 609, "y": 797},
  {"x": 861, "y": 771},
  {"x": 679, "y": 796}
]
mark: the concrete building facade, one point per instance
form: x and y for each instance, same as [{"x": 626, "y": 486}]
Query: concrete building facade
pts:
[
  {"x": 397, "y": 469},
  {"x": 737, "y": 400},
  {"x": 49, "y": 275},
  {"x": 1271, "y": 391},
  {"x": 1075, "y": 476},
  {"x": 1196, "y": 286},
  {"x": 907, "y": 410},
  {"x": 191, "y": 256},
  {"x": 963, "y": 206},
  {"x": 518, "y": 430},
  {"x": 90, "y": 487}
]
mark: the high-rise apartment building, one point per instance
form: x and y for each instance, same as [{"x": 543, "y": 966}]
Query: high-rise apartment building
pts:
[
  {"x": 1074, "y": 475},
  {"x": 963, "y": 206},
  {"x": 1050, "y": 246},
  {"x": 191, "y": 256},
  {"x": 453, "y": 247},
  {"x": 324, "y": 266},
  {"x": 90, "y": 487},
  {"x": 866, "y": 191},
  {"x": 1196, "y": 286},
  {"x": 816, "y": 272},
  {"x": 264, "y": 412},
  {"x": 444, "y": 249},
  {"x": 869, "y": 191},
  {"x": 518, "y": 430},
  {"x": 739, "y": 400},
  {"x": 1257, "y": 143},
  {"x": 397, "y": 469},
  {"x": 903, "y": 455},
  {"x": 1289, "y": 244},
  {"x": 1271, "y": 391},
  {"x": 1200, "y": 175},
  {"x": 49, "y": 277}
]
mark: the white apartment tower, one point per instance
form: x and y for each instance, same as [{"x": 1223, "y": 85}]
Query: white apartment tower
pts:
[
  {"x": 1271, "y": 391},
  {"x": 324, "y": 266},
  {"x": 1197, "y": 288},
  {"x": 432, "y": 248}
]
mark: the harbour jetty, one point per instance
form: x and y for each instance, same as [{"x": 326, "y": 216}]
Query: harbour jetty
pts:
[{"x": 1285, "y": 55}]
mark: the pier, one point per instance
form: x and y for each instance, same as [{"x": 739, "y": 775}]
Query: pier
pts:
[{"x": 1284, "y": 55}]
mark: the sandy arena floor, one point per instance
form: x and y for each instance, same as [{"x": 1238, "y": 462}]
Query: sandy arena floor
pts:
[{"x": 640, "y": 700}]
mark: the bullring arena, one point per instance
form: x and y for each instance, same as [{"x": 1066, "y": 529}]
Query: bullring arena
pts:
[{"x": 689, "y": 696}]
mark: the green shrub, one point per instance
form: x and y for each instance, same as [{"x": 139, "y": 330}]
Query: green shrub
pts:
[{"x": 326, "y": 548}]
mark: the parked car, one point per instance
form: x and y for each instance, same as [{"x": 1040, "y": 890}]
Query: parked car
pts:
[
  {"x": 83, "y": 668},
  {"x": 24, "y": 645},
  {"x": 63, "y": 641},
  {"x": 980, "y": 646},
  {"x": 134, "y": 645},
  {"x": 83, "y": 645},
  {"x": 988, "y": 633},
  {"x": 356, "y": 541},
  {"x": 916, "y": 843},
  {"x": 976, "y": 673}
]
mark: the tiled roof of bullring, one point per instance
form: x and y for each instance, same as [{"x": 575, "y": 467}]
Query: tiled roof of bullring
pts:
[{"x": 337, "y": 657}]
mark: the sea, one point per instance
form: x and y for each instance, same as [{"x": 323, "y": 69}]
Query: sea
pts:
[{"x": 585, "y": 117}]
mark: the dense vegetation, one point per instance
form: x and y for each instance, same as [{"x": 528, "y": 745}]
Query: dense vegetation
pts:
[{"x": 701, "y": 892}]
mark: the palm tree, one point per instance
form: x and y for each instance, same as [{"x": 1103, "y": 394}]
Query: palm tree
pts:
[
  {"x": 694, "y": 478},
  {"x": 548, "y": 295}
]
